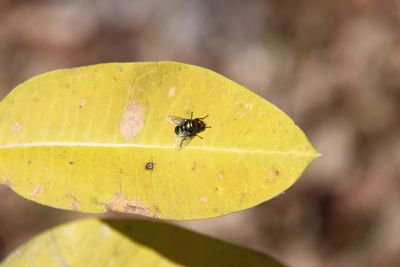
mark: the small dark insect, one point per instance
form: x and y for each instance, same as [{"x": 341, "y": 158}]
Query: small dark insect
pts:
[
  {"x": 149, "y": 165},
  {"x": 186, "y": 129}
]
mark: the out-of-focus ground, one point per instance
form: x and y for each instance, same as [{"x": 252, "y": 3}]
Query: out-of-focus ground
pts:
[{"x": 333, "y": 66}]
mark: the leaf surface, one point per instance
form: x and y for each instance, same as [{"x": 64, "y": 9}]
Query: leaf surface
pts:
[
  {"x": 82, "y": 138},
  {"x": 131, "y": 243}
]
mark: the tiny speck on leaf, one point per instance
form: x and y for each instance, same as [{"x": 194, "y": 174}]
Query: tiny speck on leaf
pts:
[
  {"x": 204, "y": 198},
  {"x": 149, "y": 165},
  {"x": 16, "y": 127},
  {"x": 75, "y": 205},
  {"x": 272, "y": 175},
  {"x": 37, "y": 191},
  {"x": 7, "y": 183},
  {"x": 171, "y": 92},
  {"x": 82, "y": 103}
]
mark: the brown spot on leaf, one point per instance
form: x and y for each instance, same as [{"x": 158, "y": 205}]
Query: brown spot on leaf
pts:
[
  {"x": 132, "y": 121},
  {"x": 37, "y": 191},
  {"x": 16, "y": 127},
  {"x": 149, "y": 165},
  {"x": 119, "y": 204}
]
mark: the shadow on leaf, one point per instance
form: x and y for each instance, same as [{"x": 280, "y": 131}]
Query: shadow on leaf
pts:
[{"x": 189, "y": 248}]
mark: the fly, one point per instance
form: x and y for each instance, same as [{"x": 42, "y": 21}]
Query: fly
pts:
[{"x": 186, "y": 129}]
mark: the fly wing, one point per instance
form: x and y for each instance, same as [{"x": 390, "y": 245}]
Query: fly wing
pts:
[
  {"x": 182, "y": 139},
  {"x": 176, "y": 120},
  {"x": 179, "y": 142}
]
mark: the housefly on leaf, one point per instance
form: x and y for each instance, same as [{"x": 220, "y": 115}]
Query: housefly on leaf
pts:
[{"x": 186, "y": 129}]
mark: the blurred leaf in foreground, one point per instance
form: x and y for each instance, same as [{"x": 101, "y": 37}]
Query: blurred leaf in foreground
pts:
[{"x": 131, "y": 243}]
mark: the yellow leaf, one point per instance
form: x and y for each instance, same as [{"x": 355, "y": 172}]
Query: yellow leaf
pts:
[
  {"x": 131, "y": 243},
  {"x": 97, "y": 138}
]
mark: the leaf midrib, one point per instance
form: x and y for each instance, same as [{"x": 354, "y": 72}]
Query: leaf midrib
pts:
[{"x": 116, "y": 145}]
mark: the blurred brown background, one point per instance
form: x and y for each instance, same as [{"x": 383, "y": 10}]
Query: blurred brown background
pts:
[{"x": 333, "y": 66}]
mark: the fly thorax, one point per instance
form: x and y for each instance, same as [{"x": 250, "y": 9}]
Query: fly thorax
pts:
[{"x": 188, "y": 125}]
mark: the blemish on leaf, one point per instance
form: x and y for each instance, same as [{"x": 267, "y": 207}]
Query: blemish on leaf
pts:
[
  {"x": 105, "y": 231},
  {"x": 204, "y": 198},
  {"x": 194, "y": 166},
  {"x": 220, "y": 176},
  {"x": 7, "y": 182},
  {"x": 248, "y": 107},
  {"x": 132, "y": 121},
  {"x": 37, "y": 191},
  {"x": 119, "y": 204},
  {"x": 272, "y": 175},
  {"x": 16, "y": 127},
  {"x": 82, "y": 103},
  {"x": 75, "y": 205},
  {"x": 171, "y": 92},
  {"x": 71, "y": 163},
  {"x": 29, "y": 162},
  {"x": 216, "y": 211}
]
